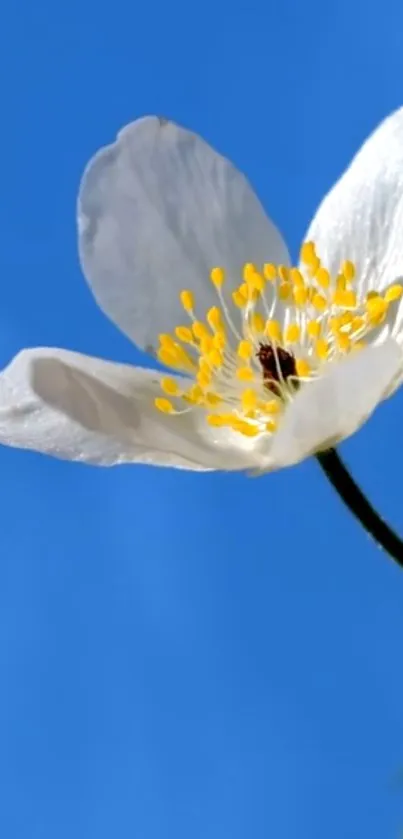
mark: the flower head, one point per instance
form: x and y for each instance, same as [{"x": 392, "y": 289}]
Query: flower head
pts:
[{"x": 266, "y": 363}]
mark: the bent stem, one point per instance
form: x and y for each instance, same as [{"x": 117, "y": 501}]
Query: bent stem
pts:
[{"x": 340, "y": 478}]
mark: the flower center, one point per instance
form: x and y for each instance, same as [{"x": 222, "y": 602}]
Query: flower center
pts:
[
  {"x": 277, "y": 365},
  {"x": 243, "y": 364}
]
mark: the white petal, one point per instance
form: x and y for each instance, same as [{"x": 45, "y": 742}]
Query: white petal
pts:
[
  {"x": 80, "y": 408},
  {"x": 361, "y": 218},
  {"x": 334, "y": 406},
  {"x": 157, "y": 210}
]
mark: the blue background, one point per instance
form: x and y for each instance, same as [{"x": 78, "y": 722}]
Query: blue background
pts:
[{"x": 190, "y": 656}]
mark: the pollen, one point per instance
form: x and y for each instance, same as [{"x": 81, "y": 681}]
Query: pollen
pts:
[
  {"x": 217, "y": 276},
  {"x": 273, "y": 331}
]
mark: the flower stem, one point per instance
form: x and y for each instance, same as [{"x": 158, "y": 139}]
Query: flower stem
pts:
[{"x": 354, "y": 498}]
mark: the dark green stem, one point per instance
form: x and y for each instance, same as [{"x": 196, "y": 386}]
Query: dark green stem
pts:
[{"x": 349, "y": 491}]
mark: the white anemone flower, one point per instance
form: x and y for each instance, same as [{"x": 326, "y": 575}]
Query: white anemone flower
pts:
[{"x": 268, "y": 363}]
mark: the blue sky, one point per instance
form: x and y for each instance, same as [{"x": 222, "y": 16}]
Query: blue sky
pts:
[{"x": 181, "y": 655}]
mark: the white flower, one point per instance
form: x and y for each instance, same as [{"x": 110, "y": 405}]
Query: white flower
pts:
[{"x": 269, "y": 363}]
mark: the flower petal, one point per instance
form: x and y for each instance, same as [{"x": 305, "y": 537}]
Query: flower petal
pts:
[
  {"x": 80, "y": 408},
  {"x": 361, "y": 218},
  {"x": 334, "y": 406},
  {"x": 157, "y": 210}
]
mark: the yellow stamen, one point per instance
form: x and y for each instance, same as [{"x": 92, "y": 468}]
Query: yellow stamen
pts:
[
  {"x": 249, "y": 400},
  {"x": 348, "y": 269},
  {"x": 323, "y": 278},
  {"x": 284, "y": 291},
  {"x": 184, "y": 334},
  {"x": 239, "y": 299},
  {"x": 164, "y": 405},
  {"x": 393, "y": 293},
  {"x": 308, "y": 253},
  {"x": 199, "y": 330},
  {"x": 272, "y": 407},
  {"x": 269, "y": 271},
  {"x": 300, "y": 295},
  {"x": 257, "y": 322},
  {"x": 169, "y": 386},
  {"x": 187, "y": 300},
  {"x": 214, "y": 318},
  {"x": 245, "y": 374},
  {"x": 302, "y": 367},
  {"x": 292, "y": 333},
  {"x": 215, "y": 358},
  {"x": 313, "y": 328},
  {"x": 217, "y": 277},
  {"x": 296, "y": 277},
  {"x": 321, "y": 349},
  {"x": 273, "y": 330},
  {"x": 284, "y": 273},
  {"x": 319, "y": 302},
  {"x": 245, "y": 350}
]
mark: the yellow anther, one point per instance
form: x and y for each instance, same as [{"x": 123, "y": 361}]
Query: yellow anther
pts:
[
  {"x": 164, "y": 405},
  {"x": 357, "y": 324},
  {"x": 187, "y": 300},
  {"x": 284, "y": 273},
  {"x": 183, "y": 358},
  {"x": 199, "y": 330},
  {"x": 214, "y": 318},
  {"x": 256, "y": 281},
  {"x": 376, "y": 307},
  {"x": 273, "y": 330},
  {"x": 314, "y": 266},
  {"x": 194, "y": 395},
  {"x": 204, "y": 366},
  {"x": 167, "y": 342},
  {"x": 166, "y": 357},
  {"x": 245, "y": 350},
  {"x": 245, "y": 428},
  {"x": 215, "y": 358},
  {"x": 203, "y": 379},
  {"x": 302, "y": 367},
  {"x": 245, "y": 374},
  {"x": 300, "y": 295},
  {"x": 308, "y": 253},
  {"x": 319, "y": 302},
  {"x": 248, "y": 271},
  {"x": 272, "y": 407},
  {"x": 284, "y": 291},
  {"x": 270, "y": 426},
  {"x": 184, "y": 334},
  {"x": 219, "y": 341},
  {"x": 393, "y": 293},
  {"x": 341, "y": 282},
  {"x": 343, "y": 342},
  {"x": 345, "y": 298},
  {"x": 348, "y": 269},
  {"x": 217, "y": 277},
  {"x": 323, "y": 277},
  {"x": 239, "y": 299},
  {"x": 292, "y": 333},
  {"x": 169, "y": 386},
  {"x": 313, "y": 328},
  {"x": 257, "y": 322},
  {"x": 206, "y": 344},
  {"x": 249, "y": 400},
  {"x": 213, "y": 399},
  {"x": 335, "y": 323},
  {"x": 296, "y": 277},
  {"x": 322, "y": 348},
  {"x": 217, "y": 420},
  {"x": 269, "y": 271}
]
